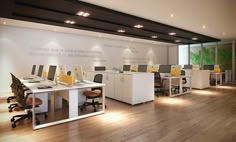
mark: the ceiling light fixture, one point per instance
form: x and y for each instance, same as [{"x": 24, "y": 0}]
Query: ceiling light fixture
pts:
[
  {"x": 172, "y": 33},
  {"x": 121, "y": 31},
  {"x": 177, "y": 40},
  {"x": 223, "y": 33},
  {"x": 194, "y": 38},
  {"x": 4, "y": 23},
  {"x": 172, "y": 15},
  {"x": 84, "y": 14},
  {"x": 204, "y": 26},
  {"x": 138, "y": 26},
  {"x": 154, "y": 36},
  {"x": 69, "y": 22}
]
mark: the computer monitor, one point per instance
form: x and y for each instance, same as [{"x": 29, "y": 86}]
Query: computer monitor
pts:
[
  {"x": 52, "y": 72},
  {"x": 40, "y": 70},
  {"x": 33, "y": 69},
  {"x": 142, "y": 68},
  {"x": 208, "y": 67},
  {"x": 62, "y": 69},
  {"x": 164, "y": 68},
  {"x": 188, "y": 66},
  {"x": 99, "y": 68},
  {"x": 78, "y": 74},
  {"x": 126, "y": 67}
]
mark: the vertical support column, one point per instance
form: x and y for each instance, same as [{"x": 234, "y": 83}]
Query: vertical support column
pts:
[
  {"x": 216, "y": 54},
  {"x": 233, "y": 61},
  {"x": 167, "y": 54},
  {"x": 189, "y": 54},
  {"x": 201, "y": 60}
]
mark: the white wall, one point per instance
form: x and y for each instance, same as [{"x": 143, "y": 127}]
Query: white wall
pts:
[
  {"x": 173, "y": 55},
  {"x": 20, "y": 48}
]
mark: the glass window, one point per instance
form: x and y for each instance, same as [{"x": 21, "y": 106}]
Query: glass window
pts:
[
  {"x": 225, "y": 56},
  {"x": 209, "y": 55},
  {"x": 195, "y": 54},
  {"x": 183, "y": 55}
]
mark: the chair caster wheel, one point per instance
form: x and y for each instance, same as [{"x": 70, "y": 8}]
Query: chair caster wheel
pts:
[
  {"x": 10, "y": 110},
  {"x": 8, "y": 101},
  {"x": 13, "y": 125},
  {"x": 37, "y": 122},
  {"x": 45, "y": 116},
  {"x": 12, "y": 120}
]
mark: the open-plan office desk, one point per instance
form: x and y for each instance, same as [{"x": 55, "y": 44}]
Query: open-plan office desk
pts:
[
  {"x": 217, "y": 76},
  {"x": 73, "y": 94},
  {"x": 180, "y": 84}
]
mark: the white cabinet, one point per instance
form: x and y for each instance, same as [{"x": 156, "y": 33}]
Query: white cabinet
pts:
[
  {"x": 123, "y": 88},
  {"x": 129, "y": 87}
]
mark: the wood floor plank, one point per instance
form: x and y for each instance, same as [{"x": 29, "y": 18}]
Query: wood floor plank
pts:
[{"x": 204, "y": 115}]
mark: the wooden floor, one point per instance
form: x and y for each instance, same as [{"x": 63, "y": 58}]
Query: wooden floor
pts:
[{"x": 202, "y": 116}]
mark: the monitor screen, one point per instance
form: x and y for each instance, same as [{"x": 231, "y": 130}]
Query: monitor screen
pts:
[
  {"x": 62, "y": 69},
  {"x": 126, "y": 67},
  {"x": 33, "y": 69},
  {"x": 78, "y": 74},
  {"x": 99, "y": 68},
  {"x": 208, "y": 67},
  {"x": 40, "y": 71},
  {"x": 188, "y": 66},
  {"x": 142, "y": 68},
  {"x": 164, "y": 68},
  {"x": 51, "y": 72}
]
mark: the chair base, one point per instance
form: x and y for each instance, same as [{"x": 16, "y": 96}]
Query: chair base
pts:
[
  {"x": 28, "y": 115},
  {"x": 93, "y": 103}
]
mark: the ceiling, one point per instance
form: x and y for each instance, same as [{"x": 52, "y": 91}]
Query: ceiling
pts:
[
  {"x": 56, "y": 12},
  {"x": 218, "y": 16}
]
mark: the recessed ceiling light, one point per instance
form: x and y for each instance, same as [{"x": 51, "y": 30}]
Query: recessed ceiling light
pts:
[
  {"x": 172, "y": 33},
  {"x": 55, "y": 30},
  {"x": 138, "y": 26},
  {"x": 69, "y": 22},
  {"x": 204, "y": 26},
  {"x": 223, "y": 33},
  {"x": 82, "y": 13},
  {"x": 172, "y": 15},
  {"x": 4, "y": 23},
  {"x": 194, "y": 38},
  {"x": 177, "y": 40},
  {"x": 121, "y": 31},
  {"x": 154, "y": 36}
]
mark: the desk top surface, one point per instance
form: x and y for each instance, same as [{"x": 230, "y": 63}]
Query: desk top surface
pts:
[{"x": 58, "y": 87}]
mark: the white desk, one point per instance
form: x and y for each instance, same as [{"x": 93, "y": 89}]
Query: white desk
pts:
[
  {"x": 73, "y": 92},
  {"x": 216, "y": 77},
  {"x": 180, "y": 85}
]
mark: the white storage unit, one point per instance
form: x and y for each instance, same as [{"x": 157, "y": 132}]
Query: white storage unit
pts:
[
  {"x": 200, "y": 79},
  {"x": 129, "y": 87}
]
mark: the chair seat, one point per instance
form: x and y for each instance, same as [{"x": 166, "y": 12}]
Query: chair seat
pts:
[
  {"x": 29, "y": 101},
  {"x": 94, "y": 93},
  {"x": 157, "y": 85}
]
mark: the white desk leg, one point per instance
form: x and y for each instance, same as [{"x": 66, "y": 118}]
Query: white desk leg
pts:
[
  {"x": 220, "y": 78},
  {"x": 180, "y": 85},
  {"x": 43, "y": 107},
  {"x": 103, "y": 98},
  {"x": 169, "y": 86},
  {"x": 33, "y": 112},
  {"x": 73, "y": 103},
  {"x": 216, "y": 78}
]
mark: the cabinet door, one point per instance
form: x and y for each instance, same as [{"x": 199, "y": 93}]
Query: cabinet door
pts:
[
  {"x": 109, "y": 81},
  {"x": 118, "y": 87},
  {"x": 127, "y": 89}
]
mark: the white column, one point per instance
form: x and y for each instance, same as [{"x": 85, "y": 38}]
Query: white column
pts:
[
  {"x": 216, "y": 54},
  {"x": 233, "y": 61},
  {"x": 201, "y": 60},
  {"x": 188, "y": 54}
]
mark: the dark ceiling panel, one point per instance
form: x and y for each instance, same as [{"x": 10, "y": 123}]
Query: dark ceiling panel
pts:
[{"x": 55, "y": 12}]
